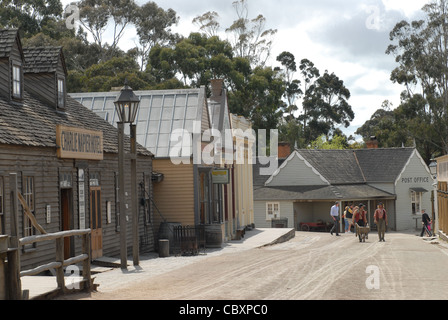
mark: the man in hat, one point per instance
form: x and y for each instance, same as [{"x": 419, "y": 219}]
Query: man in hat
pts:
[
  {"x": 380, "y": 217},
  {"x": 360, "y": 217}
]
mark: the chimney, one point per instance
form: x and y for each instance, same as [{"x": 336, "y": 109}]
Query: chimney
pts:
[
  {"x": 216, "y": 88},
  {"x": 372, "y": 143},
  {"x": 284, "y": 150}
]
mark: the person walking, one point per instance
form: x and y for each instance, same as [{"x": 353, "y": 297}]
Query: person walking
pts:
[
  {"x": 426, "y": 220},
  {"x": 348, "y": 215},
  {"x": 360, "y": 218},
  {"x": 334, "y": 212},
  {"x": 380, "y": 217}
]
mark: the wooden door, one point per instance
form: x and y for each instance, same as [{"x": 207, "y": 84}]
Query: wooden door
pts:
[
  {"x": 66, "y": 219},
  {"x": 96, "y": 222}
]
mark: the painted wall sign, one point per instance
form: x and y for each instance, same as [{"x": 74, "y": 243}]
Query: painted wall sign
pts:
[
  {"x": 76, "y": 143},
  {"x": 415, "y": 180}
]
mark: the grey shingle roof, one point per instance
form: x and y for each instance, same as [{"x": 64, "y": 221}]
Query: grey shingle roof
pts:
[
  {"x": 7, "y": 39},
  {"x": 42, "y": 59},
  {"x": 359, "y": 166},
  {"x": 337, "y": 166},
  {"x": 383, "y": 165},
  {"x": 33, "y": 124}
]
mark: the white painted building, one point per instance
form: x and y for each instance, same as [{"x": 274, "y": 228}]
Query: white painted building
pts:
[{"x": 308, "y": 183}]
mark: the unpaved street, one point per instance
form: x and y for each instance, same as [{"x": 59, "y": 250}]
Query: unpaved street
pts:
[{"x": 311, "y": 266}]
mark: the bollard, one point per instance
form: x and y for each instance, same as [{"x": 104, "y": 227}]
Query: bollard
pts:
[{"x": 164, "y": 248}]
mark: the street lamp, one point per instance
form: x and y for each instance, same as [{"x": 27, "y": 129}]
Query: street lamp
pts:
[{"x": 126, "y": 105}]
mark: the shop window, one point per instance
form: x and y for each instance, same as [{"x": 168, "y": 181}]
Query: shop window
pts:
[
  {"x": 272, "y": 210},
  {"x": 416, "y": 200}
]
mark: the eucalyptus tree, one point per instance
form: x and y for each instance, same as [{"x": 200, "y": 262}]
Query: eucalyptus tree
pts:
[
  {"x": 420, "y": 49},
  {"x": 29, "y": 15},
  {"x": 153, "y": 25}
]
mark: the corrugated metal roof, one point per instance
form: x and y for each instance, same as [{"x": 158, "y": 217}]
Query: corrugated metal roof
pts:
[{"x": 160, "y": 113}]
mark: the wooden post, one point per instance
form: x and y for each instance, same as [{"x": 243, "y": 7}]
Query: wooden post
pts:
[
  {"x": 121, "y": 195},
  {"x": 134, "y": 204},
  {"x": 86, "y": 273},
  {"x": 60, "y": 258},
  {"x": 13, "y": 275}
]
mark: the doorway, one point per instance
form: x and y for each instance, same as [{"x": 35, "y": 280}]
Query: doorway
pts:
[
  {"x": 96, "y": 223},
  {"x": 67, "y": 223}
]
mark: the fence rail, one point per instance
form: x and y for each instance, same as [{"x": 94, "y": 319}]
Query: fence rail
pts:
[{"x": 60, "y": 262}]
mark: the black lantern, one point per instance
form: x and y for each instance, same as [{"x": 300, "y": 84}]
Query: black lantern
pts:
[{"x": 127, "y": 104}]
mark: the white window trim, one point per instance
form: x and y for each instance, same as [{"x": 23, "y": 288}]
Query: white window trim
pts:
[
  {"x": 17, "y": 93},
  {"x": 61, "y": 93},
  {"x": 416, "y": 198},
  {"x": 276, "y": 213}
]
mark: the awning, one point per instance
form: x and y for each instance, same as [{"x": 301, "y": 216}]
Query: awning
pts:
[
  {"x": 418, "y": 190},
  {"x": 325, "y": 193}
]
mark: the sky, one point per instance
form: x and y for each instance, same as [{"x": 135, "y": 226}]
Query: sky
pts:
[{"x": 347, "y": 37}]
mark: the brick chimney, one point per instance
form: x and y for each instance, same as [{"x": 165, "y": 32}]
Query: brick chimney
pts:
[
  {"x": 216, "y": 89},
  {"x": 284, "y": 150},
  {"x": 372, "y": 143}
]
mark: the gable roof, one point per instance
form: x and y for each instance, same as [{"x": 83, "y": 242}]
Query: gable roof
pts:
[
  {"x": 359, "y": 166},
  {"x": 383, "y": 165},
  {"x": 33, "y": 124},
  {"x": 159, "y": 114},
  {"x": 43, "y": 59},
  {"x": 7, "y": 39}
]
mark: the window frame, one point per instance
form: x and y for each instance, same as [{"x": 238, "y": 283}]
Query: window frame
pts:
[
  {"x": 416, "y": 202},
  {"x": 61, "y": 92},
  {"x": 16, "y": 83},
  {"x": 270, "y": 216}
]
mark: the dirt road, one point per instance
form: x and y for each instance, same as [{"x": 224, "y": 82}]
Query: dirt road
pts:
[{"x": 311, "y": 266}]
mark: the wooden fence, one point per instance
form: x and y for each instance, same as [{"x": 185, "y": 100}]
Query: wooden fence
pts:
[
  {"x": 442, "y": 201},
  {"x": 14, "y": 273}
]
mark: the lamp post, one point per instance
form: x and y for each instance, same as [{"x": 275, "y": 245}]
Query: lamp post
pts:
[{"x": 126, "y": 105}]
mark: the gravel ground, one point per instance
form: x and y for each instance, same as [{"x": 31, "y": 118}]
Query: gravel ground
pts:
[{"x": 312, "y": 266}]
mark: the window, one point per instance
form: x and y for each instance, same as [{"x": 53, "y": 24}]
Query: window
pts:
[
  {"x": 61, "y": 93},
  {"x": 416, "y": 199},
  {"x": 17, "y": 81},
  {"x": 272, "y": 210},
  {"x": 28, "y": 194}
]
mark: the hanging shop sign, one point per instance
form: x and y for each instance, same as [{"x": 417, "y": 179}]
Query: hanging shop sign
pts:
[
  {"x": 220, "y": 176},
  {"x": 76, "y": 143}
]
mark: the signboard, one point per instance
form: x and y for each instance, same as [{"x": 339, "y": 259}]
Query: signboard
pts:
[
  {"x": 220, "y": 176},
  {"x": 81, "y": 199},
  {"x": 76, "y": 143}
]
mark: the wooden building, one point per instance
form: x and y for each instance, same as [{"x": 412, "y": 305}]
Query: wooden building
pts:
[
  {"x": 65, "y": 156},
  {"x": 184, "y": 194},
  {"x": 308, "y": 183}
]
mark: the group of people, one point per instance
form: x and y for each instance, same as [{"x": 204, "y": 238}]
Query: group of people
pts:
[{"x": 358, "y": 216}]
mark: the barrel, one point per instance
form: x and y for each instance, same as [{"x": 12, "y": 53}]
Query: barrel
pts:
[
  {"x": 164, "y": 248},
  {"x": 213, "y": 236},
  {"x": 166, "y": 232}
]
